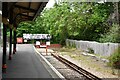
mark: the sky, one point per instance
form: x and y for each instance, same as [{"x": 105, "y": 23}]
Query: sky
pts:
[{"x": 50, "y": 3}]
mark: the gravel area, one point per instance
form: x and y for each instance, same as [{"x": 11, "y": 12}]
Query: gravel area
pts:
[
  {"x": 89, "y": 63},
  {"x": 97, "y": 68},
  {"x": 67, "y": 72}
]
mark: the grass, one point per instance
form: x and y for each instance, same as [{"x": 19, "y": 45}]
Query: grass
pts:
[
  {"x": 103, "y": 57},
  {"x": 64, "y": 49},
  {"x": 86, "y": 60}
]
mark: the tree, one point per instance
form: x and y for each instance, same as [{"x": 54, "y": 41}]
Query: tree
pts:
[
  {"x": 77, "y": 20},
  {"x": 25, "y": 27}
]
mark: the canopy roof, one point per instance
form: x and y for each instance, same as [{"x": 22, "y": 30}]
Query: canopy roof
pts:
[{"x": 25, "y": 11}]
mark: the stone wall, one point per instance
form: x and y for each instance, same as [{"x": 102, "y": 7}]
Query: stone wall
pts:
[{"x": 105, "y": 49}]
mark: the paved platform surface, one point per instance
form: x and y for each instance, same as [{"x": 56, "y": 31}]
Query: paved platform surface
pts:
[
  {"x": 1, "y": 53},
  {"x": 26, "y": 64}
]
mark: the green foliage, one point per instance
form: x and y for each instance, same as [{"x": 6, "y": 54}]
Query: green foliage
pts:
[
  {"x": 112, "y": 35},
  {"x": 90, "y": 50},
  {"x": 54, "y": 22},
  {"x": 114, "y": 59},
  {"x": 25, "y": 27},
  {"x": 80, "y": 21},
  {"x": 85, "y": 21}
]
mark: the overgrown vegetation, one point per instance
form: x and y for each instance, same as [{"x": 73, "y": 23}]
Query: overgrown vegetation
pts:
[
  {"x": 114, "y": 59},
  {"x": 90, "y": 50},
  {"x": 26, "y": 27},
  {"x": 112, "y": 35},
  {"x": 79, "y": 21}
]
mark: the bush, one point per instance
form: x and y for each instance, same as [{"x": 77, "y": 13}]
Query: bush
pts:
[
  {"x": 112, "y": 35},
  {"x": 90, "y": 50},
  {"x": 114, "y": 59}
]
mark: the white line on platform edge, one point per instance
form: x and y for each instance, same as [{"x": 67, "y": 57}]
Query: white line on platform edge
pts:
[{"x": 58, "y": 74}]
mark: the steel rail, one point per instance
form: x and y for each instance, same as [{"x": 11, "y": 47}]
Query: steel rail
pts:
[{"x": 76, "y": 68}]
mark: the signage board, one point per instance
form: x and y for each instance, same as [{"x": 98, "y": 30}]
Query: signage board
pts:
[
  {"x": 36, "y": 36},
  {"x": 48, "y": 43},
  {"x": 25, "y": 40},
  {"x": 19, "y": 40},
  {"x": 37, "y": 43}
]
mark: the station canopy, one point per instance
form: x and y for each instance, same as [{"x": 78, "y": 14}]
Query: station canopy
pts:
[{"x": 25, "y": 11}]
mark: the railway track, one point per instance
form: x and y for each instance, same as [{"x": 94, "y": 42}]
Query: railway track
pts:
[{"x": 76, "y": 68}]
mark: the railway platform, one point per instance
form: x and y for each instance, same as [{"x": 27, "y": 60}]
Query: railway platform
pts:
[{"x": 27, "y": 64}]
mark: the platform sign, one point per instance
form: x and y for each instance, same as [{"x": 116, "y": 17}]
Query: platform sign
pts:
[
  {"x": 37, "y": 43},
  {"x": 48, "y": 43},
  {"x": 19, "y": 40},
  {"x": 36, "y": 36},
  {"x": 25, "y": 40},
  {"x": 27, "y": 36}
]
